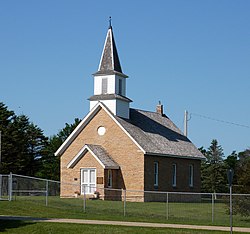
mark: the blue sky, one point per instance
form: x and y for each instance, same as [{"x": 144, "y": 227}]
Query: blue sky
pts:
[{"x": 190, "y": 55}]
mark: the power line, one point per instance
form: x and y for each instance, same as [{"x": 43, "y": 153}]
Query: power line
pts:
[{"x": 219, "y": 120}]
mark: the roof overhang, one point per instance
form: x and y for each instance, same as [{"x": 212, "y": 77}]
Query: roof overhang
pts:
[
  {"x": 81, "y": 154},
  {"x": 176, "y": 156},
  {"x": 109, "y": 72}
]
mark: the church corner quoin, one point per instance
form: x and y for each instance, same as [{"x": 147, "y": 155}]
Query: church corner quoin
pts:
[{"x": 116, "y": 148}]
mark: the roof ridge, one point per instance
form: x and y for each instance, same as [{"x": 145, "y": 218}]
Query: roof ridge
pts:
[{"x": 147, "y": 111}]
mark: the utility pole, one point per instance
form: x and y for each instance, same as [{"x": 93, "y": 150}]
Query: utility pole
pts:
[{"x": 185, "y": 122}]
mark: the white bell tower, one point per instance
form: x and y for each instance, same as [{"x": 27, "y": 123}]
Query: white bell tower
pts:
[{"x": 109, "y": 81}]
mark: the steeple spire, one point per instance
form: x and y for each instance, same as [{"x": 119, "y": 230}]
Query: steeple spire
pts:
[
  {"x": 109, "y": 81},
  {"x": 109, "y": 63}
]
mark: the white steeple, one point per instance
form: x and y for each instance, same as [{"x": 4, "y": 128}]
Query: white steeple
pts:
[{"x": 109, "y": 81}]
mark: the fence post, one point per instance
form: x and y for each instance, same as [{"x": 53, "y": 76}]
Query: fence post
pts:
[
  {"x": 124, "y": 202},
  {"x": 10, "y": 186},
  {"x": 84, "y": 199},
  {"x": 231, "y": 210},
  {"x": 167, "y": 207},
  {"x": 213, "y": 195},
  {"x": 47, "y": 191}
]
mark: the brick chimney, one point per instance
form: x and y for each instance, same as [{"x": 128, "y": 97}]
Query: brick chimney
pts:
[{"x": 159, "y": 108}]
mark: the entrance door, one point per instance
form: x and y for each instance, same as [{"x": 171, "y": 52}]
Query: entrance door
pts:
[{"x": 88, "y": 180}]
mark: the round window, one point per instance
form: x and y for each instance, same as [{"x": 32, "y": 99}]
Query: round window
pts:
[{"x": 101, "y": 130}]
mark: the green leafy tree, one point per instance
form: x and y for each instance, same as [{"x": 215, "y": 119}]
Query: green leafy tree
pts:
[
  {"x": 243, "y": 172},
  {"x": 242, "y": 203},
  {"x": 232, "y": 160}
]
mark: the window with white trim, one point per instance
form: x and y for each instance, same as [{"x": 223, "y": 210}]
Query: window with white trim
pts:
[
  {"x": 174, "y": 167},
  {"x": 156, "y": 174},
  {"x": 88, "y": 180},
  {"x": 110, "y": 178},
  {"x": 104, "y": 85},
  {"x": 191, "y": 175}
]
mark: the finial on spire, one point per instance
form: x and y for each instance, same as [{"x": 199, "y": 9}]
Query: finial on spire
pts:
[{"x": 110, "y": 19}]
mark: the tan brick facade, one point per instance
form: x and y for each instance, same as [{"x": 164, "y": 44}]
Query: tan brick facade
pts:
[{"x": 117, "y": 144}]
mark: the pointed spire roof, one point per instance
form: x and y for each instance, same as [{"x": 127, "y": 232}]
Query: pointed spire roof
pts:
[{"x": 110, "y": 63}]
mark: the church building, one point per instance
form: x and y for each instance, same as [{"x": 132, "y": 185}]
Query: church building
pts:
[{"x": 118, "y": 147}]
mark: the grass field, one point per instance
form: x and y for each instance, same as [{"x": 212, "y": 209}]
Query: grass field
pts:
[
  {"x": 25, "y": 227},
  {"x": 183, "y": 213}
]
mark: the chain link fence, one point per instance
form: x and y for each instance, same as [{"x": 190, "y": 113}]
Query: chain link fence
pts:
[{"x": 207, "y": 208}]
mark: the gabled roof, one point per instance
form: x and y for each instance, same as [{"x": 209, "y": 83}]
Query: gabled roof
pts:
[
  {"x": 98, "y": 153},
  {"x": 158, "y": 135},
  {"x": 153, "y": 133},
  {"x": 84, "y": 122},
  {"x": 110, "y": 63}
]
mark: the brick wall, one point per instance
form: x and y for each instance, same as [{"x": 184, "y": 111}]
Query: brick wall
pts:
[
  {"x": 118, "y": 145},
  {"x": 165, "y": 174}
]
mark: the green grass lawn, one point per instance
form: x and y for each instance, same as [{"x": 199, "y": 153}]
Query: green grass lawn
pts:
[
  {"x": 183, "y": 213},
  {"x": 21, "y": 227}
]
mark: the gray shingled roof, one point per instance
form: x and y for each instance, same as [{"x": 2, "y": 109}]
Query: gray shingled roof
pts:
[
  {"x": 109, "y": 97},
  {"x": 157, "y": 134},
  {"x": 110, "y": 63},
  {"x": 103, "y": 156}
]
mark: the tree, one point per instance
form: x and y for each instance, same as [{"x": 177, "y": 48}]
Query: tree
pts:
[
  {"x": 213, "y": 170},
  {"x": 22, "y": 143},
  {"x": 24, "y": 148},
  {"x": 243, "y": 172},
  {"x": 232, "y": 160},
  {"x": 214, "y": 153},
  {"x": 242, "y": 203},
  {"x": 6, "y": 119},
  {"x": 50, "y": 164}
]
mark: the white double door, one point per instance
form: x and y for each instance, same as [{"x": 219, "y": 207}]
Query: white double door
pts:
[{"x": 88, "y": 180}]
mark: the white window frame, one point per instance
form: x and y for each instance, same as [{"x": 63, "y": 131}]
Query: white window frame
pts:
[
  {"x": 156, "y": 174},
  {"x": 191, "y": 175},
  {"x": 110, "y": 176},
  {"x": 90, "y": 186},
  {"x": 174, "y": 174}
]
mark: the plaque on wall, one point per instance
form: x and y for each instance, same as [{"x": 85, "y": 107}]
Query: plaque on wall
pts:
[{"x": 99, "y": 180}]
